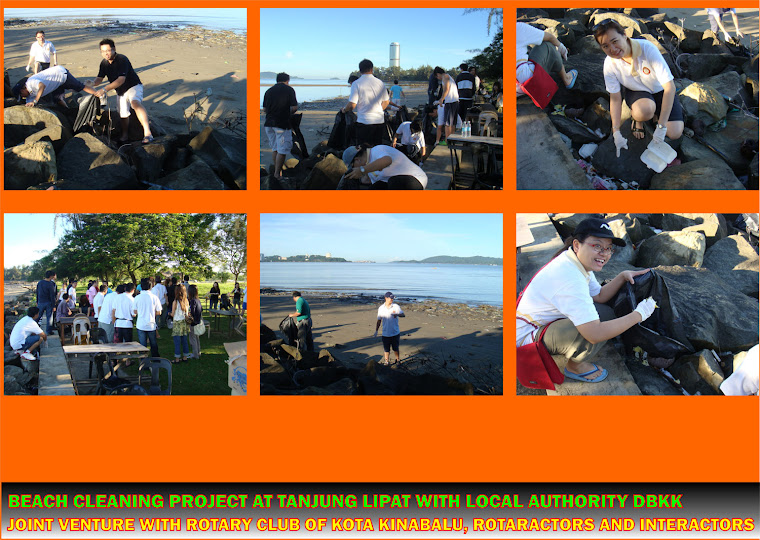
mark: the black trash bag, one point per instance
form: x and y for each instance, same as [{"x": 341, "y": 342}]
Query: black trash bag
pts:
[
  {"x": 343, "y": 133},
  {"x": 299, "y": 144},
  {"x": 428, "y": 125},
  {"x": 289, "y": 329},
  {"x": 89, "y": 110},
  {"x": 662, "y": 334}
]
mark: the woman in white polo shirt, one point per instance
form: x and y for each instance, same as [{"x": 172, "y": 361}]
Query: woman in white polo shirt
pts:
[
  {"x": 565, "y": 295},
  {"x": 384, "y": 167},
  {"x": 636, "y": 72}
]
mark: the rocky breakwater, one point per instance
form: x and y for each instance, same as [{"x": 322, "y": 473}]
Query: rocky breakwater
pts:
[
  {"x": 20, "y": 376},
  {"x": 709, "y": 263},
  {"x": 47, "y": 148},
  {"x": 716, "y": 84}
]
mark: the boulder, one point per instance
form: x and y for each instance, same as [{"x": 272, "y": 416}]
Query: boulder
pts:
[
  {"x": 274, "y": 373},
  {"x": 527, "y": 14},
  {"x": 650, "y": 382},
  {"x": 197, "y": 175},
  {"x": 633, "y": 27},
  {"x": 597, "y": 116},
  {"x": 728, "y": 141},
  {"x": 711, "y": 44},
  {"x": 270, "y": 182},
  {"x": 713, "y": 226},
  {"x": 734, "y": 259},
  {"x": 223, "y": 152},
  {"x": 715, "y": 315},
  {"x": 577, "y": 132},
  {"x": 585, "y": 45},
  {"x": 699, "y": 373},
  {"x": 728, "y": 84},
  {"x": 178, "y": 159},
  {"x": 149, "y": 159},
  {"x": 625, "y": 254},
  {"x": 754, "y": 173},
  {"x": 566, "y": 223},
  {"x": 53, "y": 134},
  {"x": 582, "y": 15},
  {"x": 22, "y": 122},
  {"x": 638, "y": 231},
  {"x": 672, "y": 248},
  {"x": 702, "y": 66},
  {"x": 699, "y": 174},
  {"x": 703, "y": 97},
  {"x": 29, "y": 164},
  {"x": 688, "y": 40},
  {"x": 692, "y": 150},
  {"x": 590, "y": 73},
  {"x": 558, "y": 29},
  {"x": 326, "y": 174},
  {"x": 87, "y": 163}
]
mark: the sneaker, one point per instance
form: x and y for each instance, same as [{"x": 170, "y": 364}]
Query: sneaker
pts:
[
  {"x": 443, "y": 143},
  {"x": 28, "y": 356}
]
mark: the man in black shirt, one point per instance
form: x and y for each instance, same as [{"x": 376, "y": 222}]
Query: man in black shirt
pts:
[
  {"x": 46, "y": 290},
  {"x": 123, "y": 79},
  {"x": 279, "y": 103},
  {"x": 466, "y": 88}
]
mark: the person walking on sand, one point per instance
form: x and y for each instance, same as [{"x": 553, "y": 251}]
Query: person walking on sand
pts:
[
  {"x": 41, "y": 54},
  {"x": 279, "y": 104},
  {"x": 388, "y": 315},
  {"x": 370, "y": 99},
  {"x": 303, "y": 321},
  {"x": 122, "y": 78}
]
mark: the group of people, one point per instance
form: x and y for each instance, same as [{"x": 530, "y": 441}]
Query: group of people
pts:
[
  {"x": 51, "y": 83},
  {"x": 371, "y": 163}
]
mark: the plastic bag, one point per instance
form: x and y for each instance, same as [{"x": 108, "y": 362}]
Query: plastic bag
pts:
[
  {"x": 299, "y": 144},
  {"x": 289, "y": 329},
  {"x": 343, "y": 131},
  {"x": 663, "y": 333}
]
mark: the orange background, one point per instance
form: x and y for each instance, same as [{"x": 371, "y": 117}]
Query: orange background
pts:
[{"x": 378, "y": 439}]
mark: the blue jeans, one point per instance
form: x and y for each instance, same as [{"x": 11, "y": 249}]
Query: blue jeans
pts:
[
  {"x": 71, "y": 83},
  {"x": 143, "y": 336},
  {"x": 181, "y": 342},
  {"x": 47, "y": 318},
  {"x": 31, "y": 340}
]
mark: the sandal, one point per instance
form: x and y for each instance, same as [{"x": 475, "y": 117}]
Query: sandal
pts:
[
  {"x": 635, "y": 130},
  {"x": 176, "y": 361},
  {"x": 147, "y": 139}
]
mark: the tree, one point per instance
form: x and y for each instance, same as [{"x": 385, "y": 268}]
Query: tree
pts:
[
  {"x": 223, "y": 276},
  {"x": 494, "y": 14},
  {"x": 490, "y": 61},
  {"x": 231, "y": 242}
]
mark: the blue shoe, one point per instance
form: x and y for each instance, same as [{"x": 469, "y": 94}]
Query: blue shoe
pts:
[
  {"x": 574, "y": 73},
  {"x": 582, "y": 376}
]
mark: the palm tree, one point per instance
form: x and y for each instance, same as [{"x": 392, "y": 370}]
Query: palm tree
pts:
[{"x": 496, "y": 14}]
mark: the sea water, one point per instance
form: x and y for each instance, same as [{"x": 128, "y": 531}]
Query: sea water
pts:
[
  {"x": 310, "y": 89},
  {"x": 454, "y": 283}
]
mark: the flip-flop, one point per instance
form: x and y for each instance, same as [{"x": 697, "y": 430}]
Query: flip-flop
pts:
[
  {"x": 574, "y": 73},
  {"x": 582, "y": 376},
  {"x": 635, "y": 129},
  {"x": 148, "y": 139}
]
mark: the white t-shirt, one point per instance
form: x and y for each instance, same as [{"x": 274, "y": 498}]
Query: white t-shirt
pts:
[
  {"x": 717, "y": 13},
  {"x": 651, "y": 70},
  {"x": 52, "y": 78},
  {"x": 563, "y": 289},
  {"x": 390, "y": 323},
  {"x": 367, "y": 94},
  {"x": 525, "y": 36},
  {"x": 125, "y": 309},
  {"x": 405, "y": 130},
  {"x": 179, "y": 313},
  {"x": 97, "y": 302},
  {"x": 745, "y": 381},
  {"x": 147, "y": 304},
  {"x": 25, "y": 327},
  {"x": 72, "y": 294},
  {"x": 245, "y": 296},
  {"x": 104, "y": 317},
  {"x": 401, "y": 165},
  {"x": 42, "y": 53},
  {"x": 160, "y": 291},
  {"x": 453, "y": 94}
]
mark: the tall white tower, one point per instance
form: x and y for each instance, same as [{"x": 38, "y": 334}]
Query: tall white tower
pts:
[{"x": 395, "y": 55}]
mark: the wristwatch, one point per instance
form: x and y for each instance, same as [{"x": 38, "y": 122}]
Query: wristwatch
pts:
[
  {"x": 660, "y": 126},
  {"x": 362, "y": 170}
]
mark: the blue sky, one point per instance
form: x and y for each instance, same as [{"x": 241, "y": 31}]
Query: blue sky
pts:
[
  {"x": 325, "y": 43},
  {"x": 27, "y": 237},
  {"x": 382, "y": 237}
]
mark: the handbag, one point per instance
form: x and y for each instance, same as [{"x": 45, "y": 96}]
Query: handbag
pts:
[
  {"x": 540, "y": 87},
  {"x": 200, "y": 328},
  {"x": 535, "y": 366}
]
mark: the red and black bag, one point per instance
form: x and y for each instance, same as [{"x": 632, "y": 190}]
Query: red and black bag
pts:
[{"x": 540, "y": 87}]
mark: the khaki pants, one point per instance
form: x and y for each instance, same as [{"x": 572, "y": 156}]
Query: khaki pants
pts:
[
  {"x": 547, "y": 56},
  {"x": 562, "y": 337}
]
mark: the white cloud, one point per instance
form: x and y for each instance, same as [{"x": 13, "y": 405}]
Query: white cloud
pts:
[{"x": 289, "y": 54}]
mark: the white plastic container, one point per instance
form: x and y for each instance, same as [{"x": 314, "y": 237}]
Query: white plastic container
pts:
[{"x": 658, "y": 155}]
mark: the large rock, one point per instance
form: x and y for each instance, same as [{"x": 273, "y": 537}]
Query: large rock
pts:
[
  {"x": 597, "y": 116},
  {"x": 728, "y": 141},
  {"x": 699, "y": 174},
  {"x": 197, "y": 175},
  {"x": 688, "y": 40},
  {"x": 225, "y": 153},
  {"x": 625, "y": 254},
  {"x": 692, "y": 150},
  {"x": 672, "y": 248},
  {"x": 582, "y": 15},
  {"x": 29, "y": 164},
  {"x": 715, "y": 315},
  {"x": 87, "y": 163},
  {"x": 703, "y": 97},
  {"x": 728, "y": 84},
  {"x": 711, "y": 44},
  {"x": 577, "y": 132},
  {"x": 326, "y": 174},
  {"x": 734, "y": 259},
  {"x": 650, "y": 382},
  {"x": 586, "y": 45},
  {"x": 699, "y": 373},
  {"x": 22, "y": 122},
  {"x": 566, "y": 223},
  {"x": 558, "y": 29},
  {"x": 702, "y": 66},
  {"x": 633, "y": 27},
  {"x": 149, "y": 159},
  {"x": 713, "y": 226},
  {"x": 590, "y": 73}
]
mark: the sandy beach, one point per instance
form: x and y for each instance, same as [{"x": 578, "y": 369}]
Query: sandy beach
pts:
[
  {"x": 451, "y": 340},
  {"x": 173, "y": 64},
  {"x": 696, "y": 19}
]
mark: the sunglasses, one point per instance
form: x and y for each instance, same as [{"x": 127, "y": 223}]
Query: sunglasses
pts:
[{"x": 602, "y": 25}]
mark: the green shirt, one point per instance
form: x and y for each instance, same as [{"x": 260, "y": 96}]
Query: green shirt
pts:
[{"x": 302, "y": 307}]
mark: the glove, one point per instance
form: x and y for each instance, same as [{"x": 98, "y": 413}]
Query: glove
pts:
[
  {"x": 27, "y": 69},
  {"x": 562, "y": 51},
  {"x": 726, "y": 37},
  {"x": 646, "y": 308},
  {"x": 659, "y": 134},
  {"x": 620, "y": 142},
  {"x": 435, "y": 103}
]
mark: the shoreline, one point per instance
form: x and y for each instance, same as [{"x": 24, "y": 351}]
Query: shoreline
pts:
[{"x": 360, "y": 298}]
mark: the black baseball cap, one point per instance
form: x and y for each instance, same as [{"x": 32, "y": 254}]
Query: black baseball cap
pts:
[
  {"x": 389, "y": 294},
  {"x": 17, "y": 88},
  {"x": 597, "y": 227}
]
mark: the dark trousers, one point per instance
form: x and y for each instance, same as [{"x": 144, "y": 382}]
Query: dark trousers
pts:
[
  {"x": 401, "y": 181},
  {"x": 464, "y": 105},
  {"x": 125, "y": 334},
  {"x": 71, "y": 83},
  {"x": 305, "y": 339},
  {"x": 371, "y": 134}
]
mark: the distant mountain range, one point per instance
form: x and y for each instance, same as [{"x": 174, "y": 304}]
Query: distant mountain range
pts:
[
  {"x": 272, "y": 75},
  {"x": 446, "y": 259}
]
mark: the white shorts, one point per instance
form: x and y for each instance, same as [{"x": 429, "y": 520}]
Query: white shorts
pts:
[
  {"x": 134, "y": 93},
  {"x": 440, "y": 114},
  {"x": 280, "y": 140}
]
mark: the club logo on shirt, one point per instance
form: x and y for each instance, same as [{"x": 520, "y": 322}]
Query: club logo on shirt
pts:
[{"x": 646, "y": 71}]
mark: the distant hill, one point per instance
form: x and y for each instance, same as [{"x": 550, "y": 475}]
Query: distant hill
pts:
[
  {"x": 272, "y": 75},
  {"x": 302, "y": 258},
  {"x": 446, "y": 259}
]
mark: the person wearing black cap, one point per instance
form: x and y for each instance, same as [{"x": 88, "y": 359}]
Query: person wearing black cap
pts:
[
  {"x": 566, "y": 294},
  {"x": 388, "y": 315}
]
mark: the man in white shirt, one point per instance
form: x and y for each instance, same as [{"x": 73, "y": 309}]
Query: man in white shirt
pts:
[
  {"x": 51, "y": 82},
  {"x": 159, "y": 290},
  {"x": 123, "y": 312},
  {"x": 412, "y": 143},
  {"x": 450, "y": 101},
  {"x": 72, "y": 291},
  {"x": 105, "y": 315},
  {"x": 388, "y": 315},
  {"x": 97, "y": 300},
  {"x": 27, "y": 335},
  {"x": 370, "y": 99},
  {"x": 148, "y": 307},
  {"x": 41, "y": 53}
]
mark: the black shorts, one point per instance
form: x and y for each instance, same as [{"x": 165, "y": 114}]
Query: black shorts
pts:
[
  {"x": 632, "y": 96},
  {"x": 371, "y": 134},
  {"x": 391, "y": 341}
]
